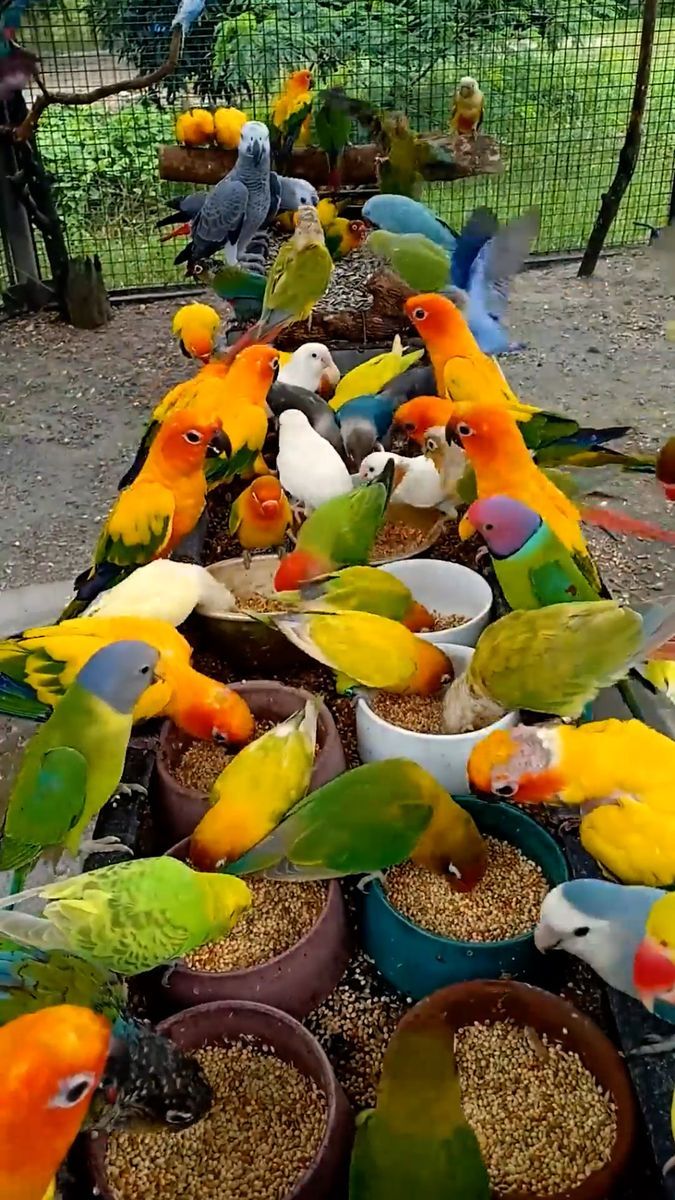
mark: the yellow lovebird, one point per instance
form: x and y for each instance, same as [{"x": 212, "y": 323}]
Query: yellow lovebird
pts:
[
  {"x": 370, "y": 377},
  {"x": 365, "y": 649},
  {"x": 228, "y": 124},
  {"x": 618, "y": 773},
  {"x": 195, "y": 127},
  {"x": 256, "y": 790},
  {"x": 195, "y": 326}
]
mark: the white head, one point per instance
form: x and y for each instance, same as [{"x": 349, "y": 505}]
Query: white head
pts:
[
  {"x": 254, "y": 142},
  {"x": 294, "y": 423},
  {"x": 311, "y": 364},
  {"x": 308, "y": 226},
  {"x": 374, "y": 464},
  {"x": 467, "y": 86}
]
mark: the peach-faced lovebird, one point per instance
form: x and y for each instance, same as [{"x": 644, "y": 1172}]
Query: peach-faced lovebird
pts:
[
  {"x": 361, "y": 589},
  {"x": 618, "y": 773},
  {"x": 52, "y": 1062},
  {"x": 368, "y": 819},
  {"x": 261, "y": 514}
]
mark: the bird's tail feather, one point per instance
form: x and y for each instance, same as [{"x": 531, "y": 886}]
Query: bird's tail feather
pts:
[
  {"x": 179, "y": 231},
  {"x": 616, "y": 522},
  {"x": 658, "y": 624},
  {"x": 19, "y": 700}
]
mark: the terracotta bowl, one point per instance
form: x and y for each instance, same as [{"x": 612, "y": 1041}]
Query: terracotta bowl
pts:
[
  {"x": 218, "y": 1024},
  {"x": 178, "y": 810},
  {"x": 498, "y": 1000}
]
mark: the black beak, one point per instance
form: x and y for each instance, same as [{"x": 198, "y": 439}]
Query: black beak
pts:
[
  {"x": 219, "y": 445},
  {"x": 257, "y": 152},
  {"x": 219, "y": 738},
  {"x": 451, "y": 436}
]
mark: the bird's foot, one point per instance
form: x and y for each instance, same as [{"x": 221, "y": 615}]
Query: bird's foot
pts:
[
  {"x": 298, "y": 512},
  {"x": 132, "y": 789},
  {"x": 105, "y": 845},
  {"x": 247, "y": 560},
  {"x": 255, "y": 263},
  {"x": 653, "y": 1044},
  {"x": 363, "y": 883}
]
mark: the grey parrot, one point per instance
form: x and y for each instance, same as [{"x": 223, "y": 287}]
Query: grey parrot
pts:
[
  {"x": 289, "y": 194},
  {"x": 237, "y": 207}
]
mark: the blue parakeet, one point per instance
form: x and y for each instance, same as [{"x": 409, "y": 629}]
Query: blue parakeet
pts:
[
  {"x": 400, "y": 214},
  {"x": 187, "y": 13},
  {"x": 364, "y": 422}
]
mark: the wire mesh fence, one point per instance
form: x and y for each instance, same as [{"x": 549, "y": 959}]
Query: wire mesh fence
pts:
[{"x": 558, "y": 79}]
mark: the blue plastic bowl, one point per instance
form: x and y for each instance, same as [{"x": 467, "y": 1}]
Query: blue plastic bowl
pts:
[{"x": 417, "y": 962}]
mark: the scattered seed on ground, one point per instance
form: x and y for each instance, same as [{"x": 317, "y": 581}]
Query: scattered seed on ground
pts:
[
  {"x": 263, "y": 1131},
  {"x": 504, "y": 904},
  {"x": 421, "y": 714},
  {"x": 281, "y": 914},
  {"x": 201, "y": 762},
  {"x": 542, "y": 1119}
]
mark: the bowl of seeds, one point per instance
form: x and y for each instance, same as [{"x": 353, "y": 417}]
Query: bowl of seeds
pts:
[
  {"x": 288, "y": 950},
  {"x": 187, "y": 767},
  {"x": 280, "y": 1127},
  {"x": 249, "y": 644},
  {"x": 458, "y": 598},
  {"x": 407, "y": 532},
  {"x": 544, "y": 1090},
  {"x": 393, "y": 726},
  {"x": 423, "y": 936}
]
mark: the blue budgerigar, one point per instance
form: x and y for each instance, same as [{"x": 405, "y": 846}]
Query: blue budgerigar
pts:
[
  {"x": 187, "y": 13},
  {"x": 401, "y": 214},
  {"x": 364, "y": 422}
]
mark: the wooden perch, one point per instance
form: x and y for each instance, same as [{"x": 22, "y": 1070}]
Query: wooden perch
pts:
[
  {"x": 470, "y": 156},
  {"x": 378, "y": 324},
  {"x": 138, "y": 83}
]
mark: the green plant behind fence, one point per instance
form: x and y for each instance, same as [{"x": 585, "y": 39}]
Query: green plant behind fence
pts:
[{"x": 558, "y": 81}]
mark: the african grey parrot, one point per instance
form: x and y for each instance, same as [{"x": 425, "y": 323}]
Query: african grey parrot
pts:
[
  {"x": 289, "y": 194},
  {"x": 237, "y": 207}
]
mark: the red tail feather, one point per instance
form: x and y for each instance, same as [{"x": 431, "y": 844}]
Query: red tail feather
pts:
[
  {"x": 666, "y": 651},
  {"x": 615, "y": 522},
  {"x": 179, "y": 231}
]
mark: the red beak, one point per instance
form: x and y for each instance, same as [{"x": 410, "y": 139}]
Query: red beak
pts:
[
  {"x": 653, "y": 972},
  {"x": 270, "y": 507}
]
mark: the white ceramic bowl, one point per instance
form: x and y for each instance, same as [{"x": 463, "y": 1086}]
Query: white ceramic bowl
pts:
[
  {"x": 444, "y": 755},
  {"x": 447, "y": 587}
]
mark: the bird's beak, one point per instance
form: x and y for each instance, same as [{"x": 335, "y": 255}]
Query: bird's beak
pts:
[
  {"x": 257, "y": 152},
  {"x": 465, "y": 529},
  {"x": 545, "y": 937},
  {"x": 184, "y": 351},
  {"x": 220, "y": 738},
  {"x": 331, "y": 375},
  {"x": 451, "y": 436},
  {"x": 270, "y": 507},
  {"x": 653, "y": 973},
  {"x": 488, "y": 797},
  {"x": 220, "y": 444}
]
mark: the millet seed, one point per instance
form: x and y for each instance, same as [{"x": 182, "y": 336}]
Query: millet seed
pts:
[
  {"x": 444, "y": 621},
  {"x": 422, "y": 714},
  {"x": 263, "y": 1131},
  {"x": 281, "y": 914},
  {"x": 542, "y": 1119},
  {"x": 201, "y": 763},
  {"x": 504, "y": 904},
  {"x": 260, "y": 602},
  {"x": 396, "y": 539}
]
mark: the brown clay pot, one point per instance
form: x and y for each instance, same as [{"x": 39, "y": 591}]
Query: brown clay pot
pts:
[
  {"x": 297, "y": 981},
  {"x": 498, "y": 1000},
  {"x": 217, "y": 1024},
  {"x": 178, "y": 810}
]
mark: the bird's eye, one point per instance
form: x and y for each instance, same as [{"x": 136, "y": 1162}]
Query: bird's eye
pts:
[
  {"x": 581, "y": 931},
  {"x": 409, "y": 426},
  {"x": 505, "y": 789},
  {"x": 419, "y": 314},
  {"x": 488, "y": 526},
  {"x": 314, "y": 354},
  {"x": 464, "y": 430},
  {"x": 145, "y": 670},
  {"x": 72, "y": 1090},
  {"x": 274, "y": 364},
  {"x": 175, "y": 1117},
  {"x": 193, "y": 437}
]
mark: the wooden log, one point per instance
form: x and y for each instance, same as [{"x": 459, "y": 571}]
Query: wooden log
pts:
[
  {"x": 470, "y": 156},
  {"x": 377, "y": 325}
]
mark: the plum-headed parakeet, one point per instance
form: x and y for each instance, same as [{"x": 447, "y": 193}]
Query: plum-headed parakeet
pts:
[
  {"x": 368, "y": 819},
  {"x": 361, "y": 589},
  {"x": 74, "y": 763},
  {"x": 256, "y": 790},
  {"x": 130, "y": 917}
]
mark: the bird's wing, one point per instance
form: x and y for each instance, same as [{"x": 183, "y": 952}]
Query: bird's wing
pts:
[
  {"x": 139, "y": 525},
  {"x": 481, "y": 226},
  {"x": 500, "y": 259},
  {"x": 222, "y": 216},
  {"x": 46, "y": 802}
]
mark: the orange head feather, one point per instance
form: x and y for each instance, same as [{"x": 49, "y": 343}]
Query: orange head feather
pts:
[
  {"x": 300, "y": 81},
  {"x": 264, "y": 499},
  {"x": 207, "y": 709},
  {"x": 432, "y": 669},
  {"x": 418, "y": 618},
  {"x": 422, "y": 413},
  {"x": 492, "y": 772},
  {"x": 183, "y": 441},
  {"x": 485, "y": 432},
  {"x": 443, "y": 329},
  {"x": 299, "y": 567},
  {"x": 252, "y": 374}
]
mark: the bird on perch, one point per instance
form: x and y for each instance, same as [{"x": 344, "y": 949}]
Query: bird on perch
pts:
[{"x": 466, "y": 116}]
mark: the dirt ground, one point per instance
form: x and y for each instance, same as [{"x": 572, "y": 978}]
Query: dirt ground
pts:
[{"x": 72, "y": 405}]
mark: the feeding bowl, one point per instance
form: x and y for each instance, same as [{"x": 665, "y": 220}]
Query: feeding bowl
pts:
[
  {"x": 444, "y": 755},
  {"x": 418, "y": 962},
  {"x": 220, "y": 1023},
  {"x": 447, "y": 587},
  {"x": 498, "y": 1000},
  {"x": 179, "y": 809},
  {"x": 250, "y": 645},
  {"x": 296, "y": 981}
]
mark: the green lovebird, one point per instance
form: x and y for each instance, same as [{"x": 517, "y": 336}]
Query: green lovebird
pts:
[
  {"x": 533, "y": 567},
  {"x": 130, "y": 917},
  {"x": 74, "y": 763},
  {"x": 417, "y": 1141},
  {"x": 420, "y": 263}
]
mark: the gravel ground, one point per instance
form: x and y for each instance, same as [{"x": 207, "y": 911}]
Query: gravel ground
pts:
[{"x": 73, "y": 402}]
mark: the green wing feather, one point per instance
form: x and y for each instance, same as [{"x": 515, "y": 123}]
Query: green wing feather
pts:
[
  {"x": 344, "y": 528},
  {"x": 31, "y": 980},
  {"x": 47, "y": 800}
]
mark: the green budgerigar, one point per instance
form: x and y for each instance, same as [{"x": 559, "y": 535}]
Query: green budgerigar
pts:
[
  {"x": 130, "y": 917},
  {"x": 361, "y": 589},
  {"x": 417, "y": 1141},
  {"x": 533, "y": 567},
  {"x": 74, "y": 763},
  {"x": 419, "y": 262}
]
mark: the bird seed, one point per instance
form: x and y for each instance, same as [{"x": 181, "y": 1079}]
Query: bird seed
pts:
[
  {"x": 201, "y": 763},
  {"x": 281, "y": 914},
  {"x": 543, "y": 1122},
  {"x": 503, "y": 905},
  {"x": 259, "y": 602},
  {"x": 262, "y": 1133},
  {"x": 396, "y": 540},
  {"x": 444, "y": 621},
  {"x": 421, "y": 714}
]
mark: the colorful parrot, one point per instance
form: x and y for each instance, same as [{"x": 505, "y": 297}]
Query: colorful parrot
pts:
[
  {"x": 364, "y": 423},
  {"x": 18, "y": 66},
  {"x": 619, "y": 773},
  {"x": 553, "y": 660},
  {"x": 340, "y": 533},
  {"x": 417, "y": 1141},
  {"x": 361, "y": 589},
  {"x": 468, "y": 106},
  {"x": 419, "y": 262},
  {"x": 52, "y": 1063},
  {"x": 532, "y": 566},
  {"x": 243, "y": 290},
  {"x": 196, "y": 325},
  {"x": 342, "y": 235},
  {"x": 148, "y": 1082},
  {"x": 366, "y": 820},
  {"x": 372, "y": 376},
  {"x": 228, "y": 124},
  {"x": 187, "y": 14},
  {"x": 602, "y": 924},
  {"x": 309, "y": 469},
  {"x": 415, "y": 417},
  {"x": 401, "y": 214},
  {"x": 654, "y": 962},
  {"x": 183, "y": 211},
  {"x": 195, "y": 127},
  {"x": 131, "y": 917},
  {"x": 157, "y": 510},
  {"x": 276, "y": 768},
  {"x": 291, "y": 115},
  {"x": 333, "y": 125},
  {"x": 73, "y": 764},
  {"x": 261, "y": 515},
  {"x": 366, "y": 650},
  {"x": 164, "y": 590},
  {"x": 37, "y": 667}
]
